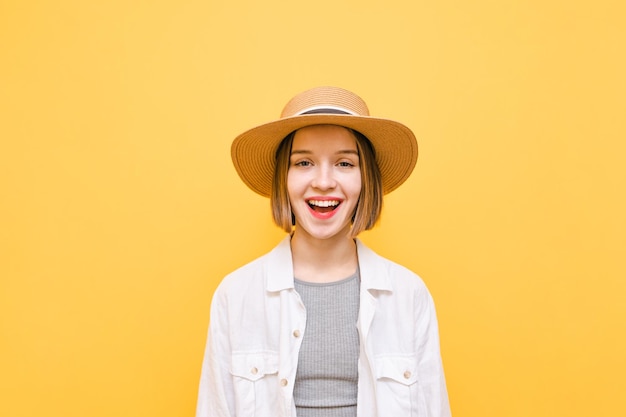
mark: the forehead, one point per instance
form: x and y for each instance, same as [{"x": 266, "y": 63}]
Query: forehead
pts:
[{"x": 324, "y": 137}]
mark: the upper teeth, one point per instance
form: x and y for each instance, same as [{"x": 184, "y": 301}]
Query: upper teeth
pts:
[{"x": 324, "y": 203}]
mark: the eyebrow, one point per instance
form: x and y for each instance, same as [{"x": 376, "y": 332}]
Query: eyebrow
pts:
[{"x": 341, "y": 152}]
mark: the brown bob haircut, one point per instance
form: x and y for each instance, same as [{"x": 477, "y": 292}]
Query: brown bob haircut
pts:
[{"x": 370, "y": 202}]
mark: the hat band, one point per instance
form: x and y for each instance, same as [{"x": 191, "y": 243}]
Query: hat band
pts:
[{"x": 325, "y": 110}]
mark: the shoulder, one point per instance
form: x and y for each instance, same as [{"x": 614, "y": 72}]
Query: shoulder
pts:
[
  {"x": 250, "y": 274},
  {"x": 384, "y": 271},
  {"x": 255, "y": 273}
]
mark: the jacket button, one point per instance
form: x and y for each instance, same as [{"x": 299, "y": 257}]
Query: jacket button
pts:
[
  {"x": 284, "y": 382},
  {"x": 296, "y": 333},
  {"x": 254, "y": 371},
  {"x": 407, "y": 375}
]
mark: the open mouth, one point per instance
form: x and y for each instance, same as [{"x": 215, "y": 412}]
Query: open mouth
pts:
[{"x": 323, "y": 206}]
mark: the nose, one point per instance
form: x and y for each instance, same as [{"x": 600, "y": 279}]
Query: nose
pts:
[{"x": 324, "y": 178}]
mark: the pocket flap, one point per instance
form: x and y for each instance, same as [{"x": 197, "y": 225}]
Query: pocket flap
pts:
[
  {"x": 254, "y": 365},
  {"x": 402, "y": 369}
]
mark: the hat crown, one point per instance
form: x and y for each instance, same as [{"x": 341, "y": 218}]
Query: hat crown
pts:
[{"x": 325, "y": 100}]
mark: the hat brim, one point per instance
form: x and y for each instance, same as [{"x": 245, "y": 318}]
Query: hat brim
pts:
[{"x": 254, "y": 151}]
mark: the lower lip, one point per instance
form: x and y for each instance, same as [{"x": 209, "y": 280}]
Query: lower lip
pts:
[{"x": 322, "y": 216}]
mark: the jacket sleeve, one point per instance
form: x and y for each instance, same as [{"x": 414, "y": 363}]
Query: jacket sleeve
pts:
[
  {"x": 216, "y": 394},
  {"x": 430, "y": 366}
]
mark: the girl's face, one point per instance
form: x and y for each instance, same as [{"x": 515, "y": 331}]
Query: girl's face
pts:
[{"x": 324, "y": 180}]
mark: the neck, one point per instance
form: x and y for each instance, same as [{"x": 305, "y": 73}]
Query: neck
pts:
[{"x": 323, "y": 260}]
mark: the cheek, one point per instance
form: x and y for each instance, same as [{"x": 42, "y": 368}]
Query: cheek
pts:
[
  {"x": 294, "y": 185},
  {"x": 356, "y": 184},
  {"x": 290, "y": 184}
]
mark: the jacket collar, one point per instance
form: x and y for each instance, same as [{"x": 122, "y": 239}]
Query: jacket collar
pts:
[
  {"x": 279, "y": 268},
  {"x": 373, "y": 268}
]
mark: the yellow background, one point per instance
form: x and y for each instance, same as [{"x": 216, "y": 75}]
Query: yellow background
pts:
[{"x": 120, "y": 210}]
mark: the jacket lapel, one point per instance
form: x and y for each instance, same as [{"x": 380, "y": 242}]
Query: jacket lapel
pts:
[
  {"x": 374, "y": 279},
  {"x": 279, "y": 272}
]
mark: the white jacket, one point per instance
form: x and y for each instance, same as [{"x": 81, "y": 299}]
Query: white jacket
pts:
[{"x": 257, "y": 323}]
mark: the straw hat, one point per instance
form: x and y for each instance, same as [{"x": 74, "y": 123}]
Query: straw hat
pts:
[{"x": 254, "y": 151}]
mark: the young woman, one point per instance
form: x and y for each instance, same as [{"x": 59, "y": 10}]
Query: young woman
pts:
[{"x": 322, "y": 326}]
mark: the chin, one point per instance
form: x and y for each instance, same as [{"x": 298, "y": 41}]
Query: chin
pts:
[{"x": 326, "y": 234}]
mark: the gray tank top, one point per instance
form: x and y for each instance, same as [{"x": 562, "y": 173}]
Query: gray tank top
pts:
[{"x": 327, "y": 375}]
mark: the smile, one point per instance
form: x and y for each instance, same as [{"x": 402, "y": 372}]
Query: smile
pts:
[{"x": 323, "y": 207}]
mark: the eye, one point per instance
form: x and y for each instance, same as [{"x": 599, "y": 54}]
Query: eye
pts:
[
  {"x": 303, "y": 163},
  {"x": 345, "y": 164}
]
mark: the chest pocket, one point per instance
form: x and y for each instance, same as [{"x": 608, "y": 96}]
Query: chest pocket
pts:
[
  {"x": 397, "y": 386},
  {"x": 255, "y": 382}
]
